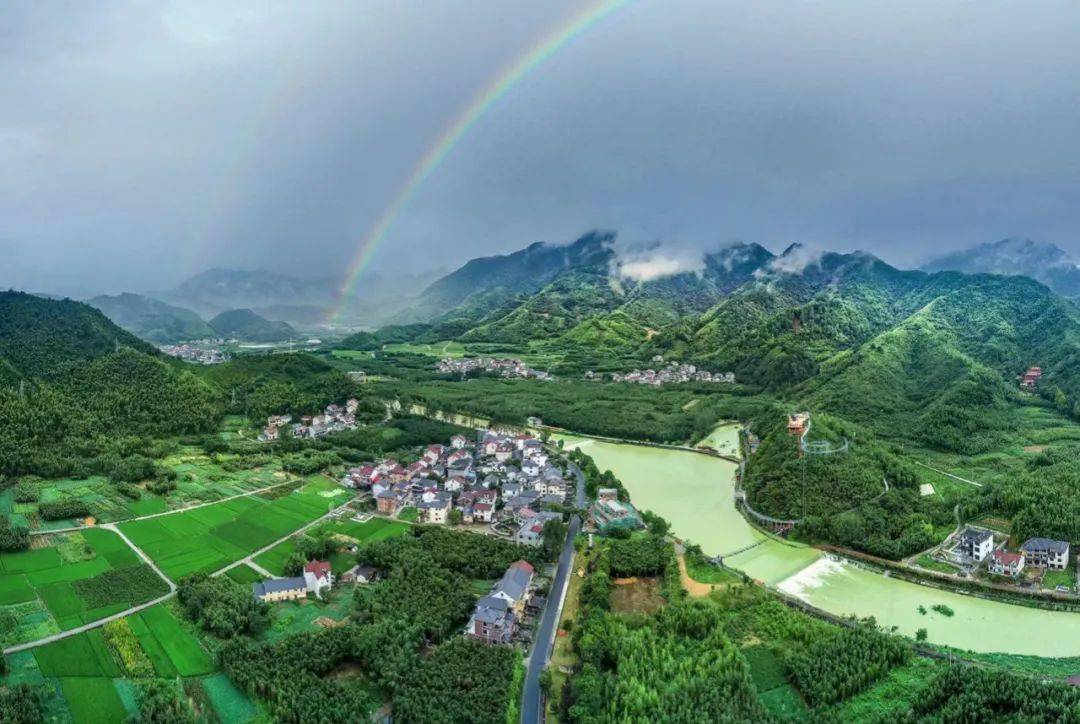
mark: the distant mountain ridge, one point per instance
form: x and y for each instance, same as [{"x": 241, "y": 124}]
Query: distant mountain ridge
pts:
[
  {"x": 1044, "y": 262},
  {"x": 245, "y": 324},
  {"x": 152, "y": 319}
]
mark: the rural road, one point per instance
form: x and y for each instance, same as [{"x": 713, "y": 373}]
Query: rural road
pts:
[
  {"x": 146, "y": 559},
  {"x": 544, "y": 640},
  {"x": 102, "y": 621}
]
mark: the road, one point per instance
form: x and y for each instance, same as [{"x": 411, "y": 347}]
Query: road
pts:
[{"x": 544, "y": 640}]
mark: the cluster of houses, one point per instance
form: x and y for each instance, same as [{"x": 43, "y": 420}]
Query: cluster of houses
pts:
[
  {"x": 1030, "y": 379},
  {"x": 976, "y": 545},
  {"x": 195, "y": 353},
  {"x": 335, "y": 418},
  {"x": 673, "y": 373},
  {"x": 494, "y": 478},
  {"x": 509, "y": 368},
  {"x": 497, "y": 616}
]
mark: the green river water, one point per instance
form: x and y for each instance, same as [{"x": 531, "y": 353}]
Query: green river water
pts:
[{"x": 695, "y": 493}]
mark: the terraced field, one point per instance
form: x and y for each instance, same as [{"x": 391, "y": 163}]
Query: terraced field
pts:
[{"x": 206, "y": 539}]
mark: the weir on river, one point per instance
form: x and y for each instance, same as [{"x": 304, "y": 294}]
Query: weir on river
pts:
[{"x": 696, "y": 494}]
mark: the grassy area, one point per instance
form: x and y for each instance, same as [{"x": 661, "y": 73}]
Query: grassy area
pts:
[
  {"x": 777, "y": 694},
  {"x": 704, "y": 572},
  {"x": 81, "y": 577},
  {"x": 92, "y": 700},
  {"x": 183, "y": 650},
  {"x": 1067, "y": 578},
  {"x": 890, "y": 698},
  {"x": 409, "y": 514},
  {"x": 209, "y": 538},
  {"x": 931, "y": 564}
]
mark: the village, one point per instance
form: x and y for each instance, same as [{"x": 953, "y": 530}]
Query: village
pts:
[
  {"x": 672, "y": 373},
  {"x": 207, "y": 352},
  {"x": 335, "y": 418},
  {"x": 504, "y": 481},
  {"x": 505, "y": 367}
]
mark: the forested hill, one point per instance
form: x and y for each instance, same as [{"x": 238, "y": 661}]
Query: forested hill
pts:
[
  {"x": 247, "y": 325},
  {"x": 38, "y": 335},
  {"x": 152, "y": 319}
]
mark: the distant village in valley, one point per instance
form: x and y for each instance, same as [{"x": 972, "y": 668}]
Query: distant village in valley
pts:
[
  {"x": 672, "y": 373},
  {"x": 206, "y": 352},
  {"x": 505, "y": 367}
]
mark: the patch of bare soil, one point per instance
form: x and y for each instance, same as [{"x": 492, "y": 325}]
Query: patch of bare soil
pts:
[{"x": 642, "y": 595}]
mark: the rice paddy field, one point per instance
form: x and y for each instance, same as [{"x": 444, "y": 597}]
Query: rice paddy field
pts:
[
  {"x": 85, "y": 680},
  {"x": 205, "y": 539},
  {"x": 72, "y": 579},
  {"x": 347, "y": 531}
]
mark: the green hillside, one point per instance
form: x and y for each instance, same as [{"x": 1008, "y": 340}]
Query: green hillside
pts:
[{"x": 38, "y": 335}]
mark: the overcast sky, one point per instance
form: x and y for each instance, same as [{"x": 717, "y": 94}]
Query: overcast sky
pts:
[{"x": 142, "y": 142}]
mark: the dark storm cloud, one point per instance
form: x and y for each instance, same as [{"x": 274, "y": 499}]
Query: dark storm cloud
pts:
[{"x": 142, "y": 142}]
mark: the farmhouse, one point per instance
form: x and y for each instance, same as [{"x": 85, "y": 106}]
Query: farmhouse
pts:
[
  {"x": 317, "y": 576},
  {"x": 1006, "y": 563},
  {"x": 492, "y": 621},
  {"x": 1046, "y": 553},
  {"x": 976, "y": 544},
  {"x": 280, "y": 589},
  {"x": 513, "y": 587}
]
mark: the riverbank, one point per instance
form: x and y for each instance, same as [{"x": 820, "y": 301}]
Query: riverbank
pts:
[{"x": 695, "y": 493}]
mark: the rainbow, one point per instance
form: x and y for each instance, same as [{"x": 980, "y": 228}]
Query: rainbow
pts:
[{"x": 437, "y": 153}]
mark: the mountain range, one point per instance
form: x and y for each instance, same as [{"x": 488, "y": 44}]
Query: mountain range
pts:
[
  {"x": 848, "y": 330},
  {"x": 1041, "y": 261}
]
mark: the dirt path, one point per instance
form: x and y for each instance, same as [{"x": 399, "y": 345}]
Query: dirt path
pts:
[{"x": 696, "y": 589}]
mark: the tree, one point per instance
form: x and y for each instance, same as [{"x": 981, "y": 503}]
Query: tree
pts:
[
  {"x": 920, "y": 635},
  {"x": 221, "y": 606},
  {"x": 553, "y": 536},
  {"x": 160, "y": 703},
  {"x": 456, "y": 516}
]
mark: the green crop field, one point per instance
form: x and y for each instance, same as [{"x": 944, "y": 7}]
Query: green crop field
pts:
[
  {"x": 93, "y": 700},
  {"x": 209, "y": 538},
  {"x": 184, "y": 652},
  {"x": 244, "y": 574},
  {"x": 84, "y": 654},
  {"x": 82, "y": 577},
  {"x": 374, "y": 529}
]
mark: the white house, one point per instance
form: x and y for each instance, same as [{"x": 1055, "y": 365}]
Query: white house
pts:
[
  {"x": 1005, "y": 563},
  {"x": 1046, "y": 553},
  {"x": 318, "y": 576},
  {"x": 976, "y": 544}
]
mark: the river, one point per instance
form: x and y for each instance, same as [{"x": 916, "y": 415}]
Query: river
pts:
[{"x": 694, "y": 492}]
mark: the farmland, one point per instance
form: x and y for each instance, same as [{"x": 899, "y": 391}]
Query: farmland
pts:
[
  {"x": 205, "y": 539},
  {"x": 199, "y": 478},
  {"x": 80, "y": 577},
  {"x": 347, "y": 531},
  {"x": 83, "y": 671}
]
